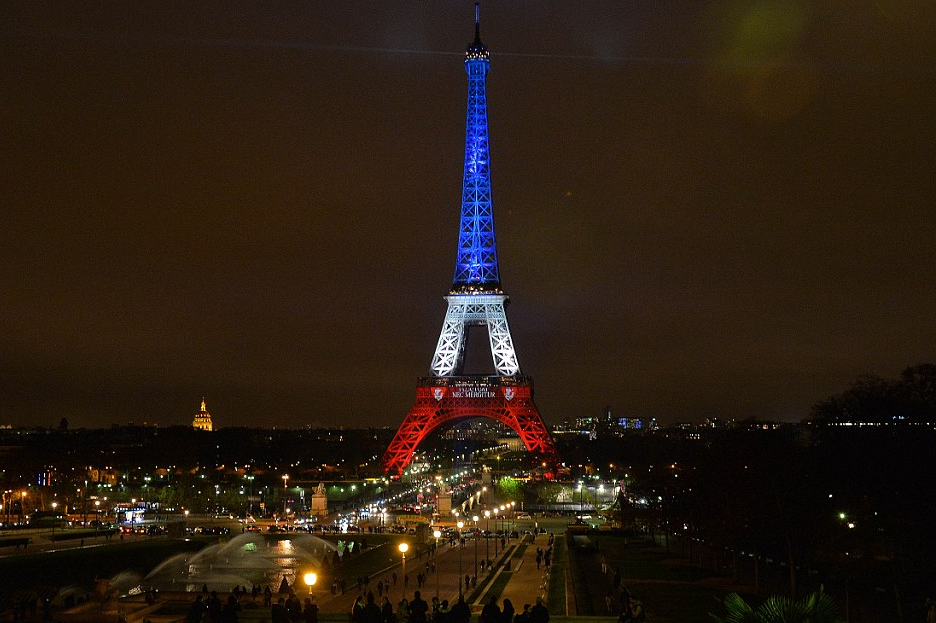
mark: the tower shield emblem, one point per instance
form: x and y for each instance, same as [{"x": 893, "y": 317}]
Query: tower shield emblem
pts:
[
  {"x": 509, "y": 393},
  {"x": 438, "y": 393}
]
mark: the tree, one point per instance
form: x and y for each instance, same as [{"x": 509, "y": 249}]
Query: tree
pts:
[
  {"x": 816, "y": 607},
  {"x": 508, "y": 488}
]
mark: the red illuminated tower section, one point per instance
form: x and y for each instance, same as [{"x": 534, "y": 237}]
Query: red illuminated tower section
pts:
[{"x": 476, "y": 299}]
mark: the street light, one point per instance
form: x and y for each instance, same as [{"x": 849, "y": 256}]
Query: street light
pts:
[
  {"x": 487, "y": 535},
  {"x": 437, "y": 533},
  {"x": 507, "y": 519},
  {"x": 475, "y": 519},
  {"x": 459, "y": 524},
  {"x": 403, "y": 547},
  {"x": 285, "y": 494},
  {"x": 97, "y": 520},
  {"x": 310, "y": 579},
  {"x": 54, "y": 520}
]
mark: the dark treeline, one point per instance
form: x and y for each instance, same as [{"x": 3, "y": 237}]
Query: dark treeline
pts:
[{"x": 845, "y": 499}]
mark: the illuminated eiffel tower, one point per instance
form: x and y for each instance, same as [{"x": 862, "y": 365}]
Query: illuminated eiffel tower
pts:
[{"x": 476, "y": 299}]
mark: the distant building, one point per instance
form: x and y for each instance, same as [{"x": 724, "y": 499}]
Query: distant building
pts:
[{"x": 202, "y": 419}]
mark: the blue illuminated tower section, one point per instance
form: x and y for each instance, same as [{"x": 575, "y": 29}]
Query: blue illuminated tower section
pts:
[
  {"x": 476, "y": 299},
  {"x": 476, "y": 264}
]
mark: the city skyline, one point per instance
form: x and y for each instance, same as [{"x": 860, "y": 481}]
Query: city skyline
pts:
[{"x": 702, "y": 210}]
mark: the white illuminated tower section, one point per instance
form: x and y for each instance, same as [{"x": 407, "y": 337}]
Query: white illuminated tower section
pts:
[{"x": 475, "y": 299}]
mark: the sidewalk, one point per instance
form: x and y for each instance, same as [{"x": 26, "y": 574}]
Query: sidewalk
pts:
[
  {"x": 451, "y": 566},
  {"x": 523, "y": 582}
]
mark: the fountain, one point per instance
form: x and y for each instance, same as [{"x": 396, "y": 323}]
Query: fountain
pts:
[{"x": 246, "y": 560}]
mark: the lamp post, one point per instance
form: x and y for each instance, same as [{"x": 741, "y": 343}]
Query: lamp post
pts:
[
  {"x": 581, "y": 501},
  {"x": 403, "y": 547},
  {"x": 97, "y": 519},
  {"x": 508, "y": 519},
  {"x": 285, "y": 492},
  {"x": 459, "y": 524},
  {"x": 475, "y": 519},
  {"x": 487, "y": 535},
  {"x": 437, "y": 533},
  {"x": 310, "y": 579},
  {"x": 54, "y": 520}
]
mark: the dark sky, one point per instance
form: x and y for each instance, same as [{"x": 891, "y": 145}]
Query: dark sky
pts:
[{"x": 703, "y": 208}]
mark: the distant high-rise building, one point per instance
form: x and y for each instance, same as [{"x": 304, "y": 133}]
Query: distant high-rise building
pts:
[{"x": 202, "y": 419}]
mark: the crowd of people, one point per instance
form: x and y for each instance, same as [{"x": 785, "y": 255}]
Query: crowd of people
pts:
[
  {"x": 418, "y": 610},
  {"x": 208, "y": 608}
]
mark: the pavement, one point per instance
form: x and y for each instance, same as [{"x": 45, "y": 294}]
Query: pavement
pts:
[{"x": 520, "y": 581}]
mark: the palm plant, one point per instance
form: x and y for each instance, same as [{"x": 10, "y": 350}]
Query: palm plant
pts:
[{"x": 816, "y": 607}]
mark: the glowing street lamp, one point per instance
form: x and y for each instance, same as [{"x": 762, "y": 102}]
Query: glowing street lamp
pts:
[
  {"x": 510, "y": 519},
  {"x": 285, "y": 492},
  {"x": 403, "y": 547},
  {"x": 475, "y": 519},
  {"x": 437, "y": 533},
  {"x": 310, "y": 579},
  {"x": 459, "y": 524},
  {"x": 487, "y": 535}
]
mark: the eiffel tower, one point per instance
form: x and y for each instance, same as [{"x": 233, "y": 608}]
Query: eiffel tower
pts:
[{"x": 476, "y": 299}]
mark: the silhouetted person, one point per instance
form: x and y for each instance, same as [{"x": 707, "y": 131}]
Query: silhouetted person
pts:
[
  {"x": 508, "y": 612},
  {"x": 491, "y": 613},
  {"x": 196, "y": 611},
  {"x": 418, "y": 609},
  {"x": 229, "y": 612},
  {"x": 278, "y": 612},
  {"x": 460, "y": 612},
  {"x": 386, "y": 610},
  {"x": 539, "y": 613},
  {"x": 310, "y": 610},
  {"x": 372, "y": 612}
]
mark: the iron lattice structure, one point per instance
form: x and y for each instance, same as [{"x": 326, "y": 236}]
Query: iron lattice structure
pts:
[{"x": 476, "y": 298}]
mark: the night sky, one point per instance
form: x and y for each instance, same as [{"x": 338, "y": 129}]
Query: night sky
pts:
[{"x": 703, "y": 209}]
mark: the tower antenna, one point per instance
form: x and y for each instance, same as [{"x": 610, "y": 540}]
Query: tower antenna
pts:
[{"x": 477, "y": 22}]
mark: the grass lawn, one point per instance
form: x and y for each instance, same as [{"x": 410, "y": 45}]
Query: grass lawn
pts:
[{"x": 671, "y": 589}]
